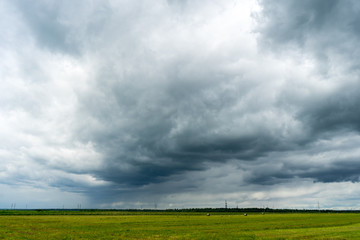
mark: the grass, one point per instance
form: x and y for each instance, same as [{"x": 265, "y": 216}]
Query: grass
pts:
[{"x": 165, "y": 225}]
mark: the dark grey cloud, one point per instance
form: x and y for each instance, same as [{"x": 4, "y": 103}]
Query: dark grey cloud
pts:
[
  {"x": 190, "y": 112},
  {"x": 287, "y": 22},
  {"x": 133, "y": 103},
  {"x": 56, "y": 25},
  {"x": 327, "y": 30},
  {"x": 166, "y": 130}
]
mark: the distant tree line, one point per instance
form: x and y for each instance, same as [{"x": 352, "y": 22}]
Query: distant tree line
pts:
[{"x": 154, "y": 211}]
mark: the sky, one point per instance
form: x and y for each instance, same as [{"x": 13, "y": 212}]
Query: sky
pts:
[{"x": 180, "y": 104}]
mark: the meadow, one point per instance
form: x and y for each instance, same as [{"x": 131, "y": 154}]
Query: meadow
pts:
[{"x": 176, "y": 225}]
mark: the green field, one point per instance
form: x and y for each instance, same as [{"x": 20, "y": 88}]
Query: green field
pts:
[{"x": 177, "y": 225}]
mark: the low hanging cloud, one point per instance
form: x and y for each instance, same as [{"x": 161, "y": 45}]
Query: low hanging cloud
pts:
[{"x": 130, "y": 103}]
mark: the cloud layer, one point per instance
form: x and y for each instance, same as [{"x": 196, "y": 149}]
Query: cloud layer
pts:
[{"x": 178, "y": 103}]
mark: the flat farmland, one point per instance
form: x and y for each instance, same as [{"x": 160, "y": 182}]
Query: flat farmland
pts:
[{"x": 179, "y": 225}]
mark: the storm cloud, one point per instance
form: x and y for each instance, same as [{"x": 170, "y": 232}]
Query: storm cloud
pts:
[{"x": 179, "y": 103}]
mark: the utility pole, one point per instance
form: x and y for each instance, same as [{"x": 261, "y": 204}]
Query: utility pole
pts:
[{"x": 225, "y": 204}]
